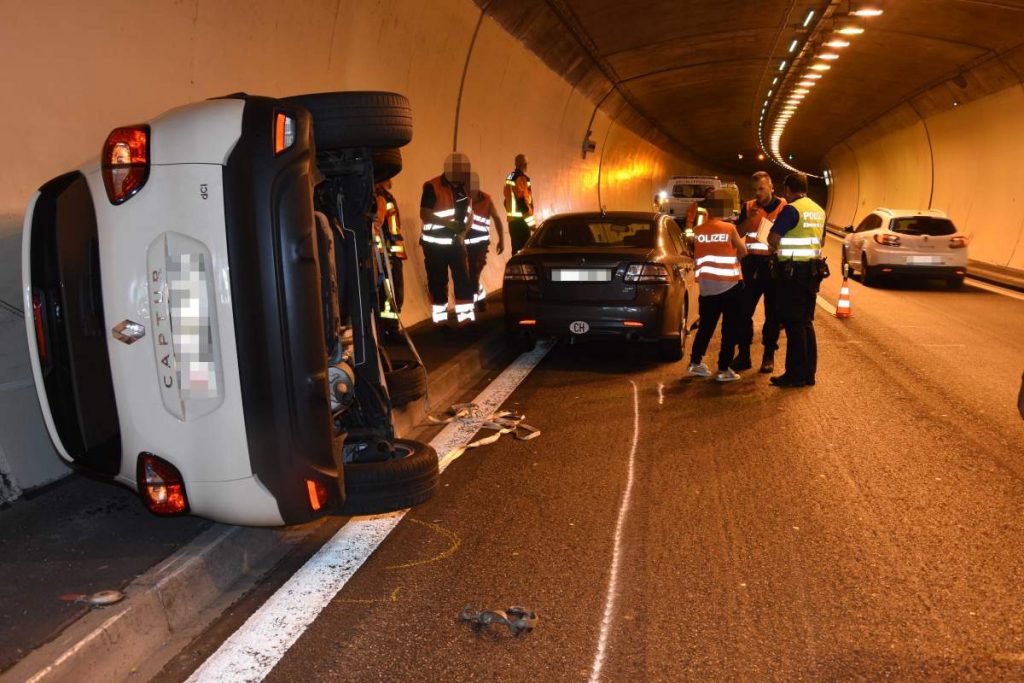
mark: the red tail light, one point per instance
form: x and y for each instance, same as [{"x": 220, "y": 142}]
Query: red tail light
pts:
[
  {"x": 317, "y": 494},
  {"x": 37, "y": 316},
  {"x": 957, "y": 242},
  {"x": 888, "y": 240},
  {"x": 125, "y": 162},
  {"x": 632, "y": 323},
  {"x": 161, "y": 486},
  {"x": 284, "y": 132},
  {"x": 646, "y": 272}
]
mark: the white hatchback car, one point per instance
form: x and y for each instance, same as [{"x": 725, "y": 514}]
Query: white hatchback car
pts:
[
  {"x": 189, "y": 291},
  {"x": 924, "y": 244}
]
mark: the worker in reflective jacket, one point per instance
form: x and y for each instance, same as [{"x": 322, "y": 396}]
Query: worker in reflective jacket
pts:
[
  {"x": 478, "y": 239},
  {"x": 389, "y": 228},
  {"x": 757, "y": 280},
  {"x": 446, "y": 212},
  {"x": 717, "y": 249},
  {"x": 519, "y": 204},
  {"x": 798, "y": 269}
]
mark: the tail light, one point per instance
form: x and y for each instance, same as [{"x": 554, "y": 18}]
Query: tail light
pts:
[
  {"x": 161, "y": 486},
  {"x": 888, "y": 240},
  {"x": 37, "y": 316},
  {"x": 125, "y": 162},
  {"x": 284, "y": 132},
  {"x": 317, "y": 494},
  {"x": 632, "y": 323},
  {"x": 647, "y": 272},
  {"x": 520, "y": 272},
  {"x": 958, "y": 242}
]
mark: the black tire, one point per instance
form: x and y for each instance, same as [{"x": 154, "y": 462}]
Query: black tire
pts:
[
  {"x": 867, "y": 274},
  {"x": 406, "y": 382},
  {"x": 376, "y": 487},
  {"x": 387, "y": 163},
  {"x": 955, "y": 283},
  {"x": 518, "y": 342},
  {"x": 358, "y": 119},
  {"x": 673, "y": 349}
]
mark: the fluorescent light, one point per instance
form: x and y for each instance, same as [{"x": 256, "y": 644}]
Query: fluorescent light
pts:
[
  {"x": 792, "y": 46},
  {"x": 831, "y": 56},
  {"x": 807, "y": 84},
  {"x": 801, "y": 91},
  {"x": 850, "y": 30},
  {"x": 769, "y": 93},
  {"x": 867, "y": 12},
  {"x": 838, "y": 43},
  {"x": 813, "y": 77},
  {"x": 782, "y": 66},
  {"x": 820, "y": 67},
  {"x": 810, "y": 15},
  {"x": 775, "y": 80}
]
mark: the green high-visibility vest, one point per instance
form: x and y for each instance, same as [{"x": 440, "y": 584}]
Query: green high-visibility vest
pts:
[{"x": 803, "y": 242}]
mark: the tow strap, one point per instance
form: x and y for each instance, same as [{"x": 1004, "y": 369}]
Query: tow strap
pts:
[{"x": 500, "y": 422}]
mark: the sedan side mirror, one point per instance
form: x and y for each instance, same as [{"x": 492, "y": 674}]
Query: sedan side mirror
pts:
[{"x": 848, "y": 228}]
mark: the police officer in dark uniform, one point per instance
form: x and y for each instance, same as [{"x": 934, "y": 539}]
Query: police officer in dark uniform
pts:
[{"x": 797, "y": 268}]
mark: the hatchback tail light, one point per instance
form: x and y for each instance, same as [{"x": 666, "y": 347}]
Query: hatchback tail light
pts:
[
  {"x": 958, "y": 242},
  {"x": 317, "y": 494},
  {"x": 125, "y": 162},
  {"x": 284, "y": 132},
  {"x": 888, "y": 240},
  {"x": 161, "y": 486},
  {"x": 647, "y": 272},
  {"x": 520, "y": 272}
]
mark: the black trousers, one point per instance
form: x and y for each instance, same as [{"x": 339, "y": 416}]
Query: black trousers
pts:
[
  {"x": 729, "y": 307},
  {"x": 439, "y": 260},
  {"x": 796, "y": 303},
  {"x": 757, "y": 283},
  {"x": 477, "y": 257},
  {"x": 518, "y": 232}
]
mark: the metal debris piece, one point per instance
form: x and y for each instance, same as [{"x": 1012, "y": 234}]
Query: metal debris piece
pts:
[
  {"x": 104, "y": 598},
  {"x": 519, "y": 620}
]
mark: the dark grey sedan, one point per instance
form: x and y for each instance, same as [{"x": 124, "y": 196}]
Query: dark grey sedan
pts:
[{"x": 627, "y": 275}]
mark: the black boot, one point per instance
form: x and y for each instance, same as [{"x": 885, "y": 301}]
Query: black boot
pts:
[
  {"x": 767, "y": 362},
  {"x": 742, "y": 360}
]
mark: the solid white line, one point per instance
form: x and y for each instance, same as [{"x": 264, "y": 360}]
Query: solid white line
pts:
[
  {"x": 613, "y": 580},
  {"x": 824, "y": 303},
  {"x": 256, "y": 648},
  {"x": 661, "y": 393}
]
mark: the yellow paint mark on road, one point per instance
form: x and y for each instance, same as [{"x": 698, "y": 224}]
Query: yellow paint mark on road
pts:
[
  {"x": 393, "y": 597},
  {"x": 454, "y": 543}
]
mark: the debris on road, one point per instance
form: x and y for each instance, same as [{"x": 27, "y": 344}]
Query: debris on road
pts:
[
  {"x": 100, "y": 599},
  {"x": 500, "y": 422},
  {"x": 519, "y": 620}
]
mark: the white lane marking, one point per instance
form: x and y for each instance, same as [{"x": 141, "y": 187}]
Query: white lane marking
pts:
[
  {"x": 256, "y": 648},
  {"x": 824, "y": 303},
  {"x": 661, "y": 393},
  {"x": 613, "y": 580}
]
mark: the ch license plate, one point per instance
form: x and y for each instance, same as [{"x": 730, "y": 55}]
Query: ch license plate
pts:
[
  {"x": 924, "y": 259},
  {"x": 581, "y": 275},
  {"x": 579, "y": 327}
]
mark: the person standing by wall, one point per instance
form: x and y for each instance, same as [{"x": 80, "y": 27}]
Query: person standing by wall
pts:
[
  {"x": 478, "y": 239},
  {"x": 519, "y": 204},
  {"x": 798, "y": 269},
  {"x": 757, "y": 281},
  {"x": 446, "y": 214},
  {"x": 717, "y": 249}
]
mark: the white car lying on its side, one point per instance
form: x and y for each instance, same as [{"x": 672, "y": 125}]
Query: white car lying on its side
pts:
[{"x": 923, "y": 244}]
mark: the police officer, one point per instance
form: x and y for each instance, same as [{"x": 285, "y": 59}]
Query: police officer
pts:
[
  {"x": 519, "y": 204},
  {"x": 446, "y": 211},
  {"x": 478, "y": 239},
  {"x": 717, "y": 249},
  {"x": 798, "y": 268},
  {"x": 757, "y": 281}
]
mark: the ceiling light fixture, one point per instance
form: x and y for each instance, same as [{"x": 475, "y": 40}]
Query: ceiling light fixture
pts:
[
  {"x": 813, "y": 77},
  {"x": 831, "y": 56},
  {"x": 807, "y": 84},
  {"x": 837, "y": 43},
  {"x": 810, "y": 15},
  {"x": 775, "y": 80},
  {"x": 866, "y": 12},
  {"x": 782, "y": 66},
  {"x": 820, "y": 67},
  {"x": 850, "y": 29},
  {"x": 801, "y": 91},
  {"x": 792, "y": 46}
]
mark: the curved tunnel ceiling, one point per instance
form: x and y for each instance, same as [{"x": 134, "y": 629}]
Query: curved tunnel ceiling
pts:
[{"x": 693, "y": 76}]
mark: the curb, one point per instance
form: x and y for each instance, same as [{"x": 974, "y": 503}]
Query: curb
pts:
[{"x": 112, "y": 643}]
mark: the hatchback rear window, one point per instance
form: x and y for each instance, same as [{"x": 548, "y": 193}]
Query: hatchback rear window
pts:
[
  {"x": 923, "y": 225},
  {"x": 575, "y": 232}
]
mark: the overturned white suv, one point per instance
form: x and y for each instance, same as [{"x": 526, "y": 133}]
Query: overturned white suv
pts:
[{"x": 203, "y": 302}]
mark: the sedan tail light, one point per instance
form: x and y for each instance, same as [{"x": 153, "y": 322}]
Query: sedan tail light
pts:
[
  {"x": 888, "y": 240},
  {"x": 520, "y": 272},
  {"x": 125, "y": 162},
  {"x": 161, "y": 486},
  {"x": 958, "y": 242},
  {"x": 647, "y": 272}
]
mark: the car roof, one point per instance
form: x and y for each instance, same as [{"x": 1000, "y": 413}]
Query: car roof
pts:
[
  {"x": 638, "y": 215},
  {"x": 903, "y": 213}
]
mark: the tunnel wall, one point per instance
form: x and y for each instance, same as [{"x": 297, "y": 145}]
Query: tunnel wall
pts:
[
  {"x": 77, "y": 70},
  {"x": 964, "y": 160}
]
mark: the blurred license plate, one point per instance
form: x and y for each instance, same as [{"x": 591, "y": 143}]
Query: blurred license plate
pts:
[
  {"x": 581, "y": 275},
  {"x": 924, "y": 259}
]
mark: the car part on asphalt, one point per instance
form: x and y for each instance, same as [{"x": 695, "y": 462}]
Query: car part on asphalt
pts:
[
  {"x": 519, "y": 620},
  {"x": 407, "y": 382}
]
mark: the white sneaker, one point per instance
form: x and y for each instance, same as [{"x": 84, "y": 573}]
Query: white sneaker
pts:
[
  {"x": 727, "y": 375},
  {"x": 698, "y": 370}
]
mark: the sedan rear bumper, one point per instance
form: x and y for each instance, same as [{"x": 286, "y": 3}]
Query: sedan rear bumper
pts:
[
  {"x": 924, "y": 271},
  {"x": 647, "y": 316}
]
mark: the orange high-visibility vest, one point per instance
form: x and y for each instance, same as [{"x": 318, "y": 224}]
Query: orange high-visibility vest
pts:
[
  {"x": 480, "y": 229},
  {"x": 444, "y": 209},
  {"x": 519, "y": 197},
  {"x": 715, "y": 254},
  {"x": 390, "y": 224},
  {"x": 755, "y": 212}
]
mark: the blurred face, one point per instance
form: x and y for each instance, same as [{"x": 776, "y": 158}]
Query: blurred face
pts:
[
  {"x": 522, "y": 162},
  {"x": 763, "y": 190},
  {"x": 456, "y": 169}
]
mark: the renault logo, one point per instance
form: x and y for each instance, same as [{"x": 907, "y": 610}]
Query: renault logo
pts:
[{"x": 128, "y": 331}]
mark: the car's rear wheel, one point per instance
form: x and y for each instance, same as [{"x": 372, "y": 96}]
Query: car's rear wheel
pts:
[
  {"x": 381, "y": 120},
  {"x": 387, "y": 163},
  {"x": 673, "y": 349},
  {"x": 955, "y": 283},
  {"x": 868, "y": 278},
  {"x": 408, "y": 479},
  {"x": 407, "y": 382}
]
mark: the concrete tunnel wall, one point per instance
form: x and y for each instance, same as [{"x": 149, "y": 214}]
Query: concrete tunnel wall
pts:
[
  {"x": 76, "y": 70},
  {"x": 964, "y": 161}
]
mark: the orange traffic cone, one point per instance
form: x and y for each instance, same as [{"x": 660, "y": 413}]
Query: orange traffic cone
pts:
[{"x": 844, "y": 309}]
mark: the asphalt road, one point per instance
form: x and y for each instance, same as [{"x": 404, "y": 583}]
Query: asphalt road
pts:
[{"x": 868, "y": 527}]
